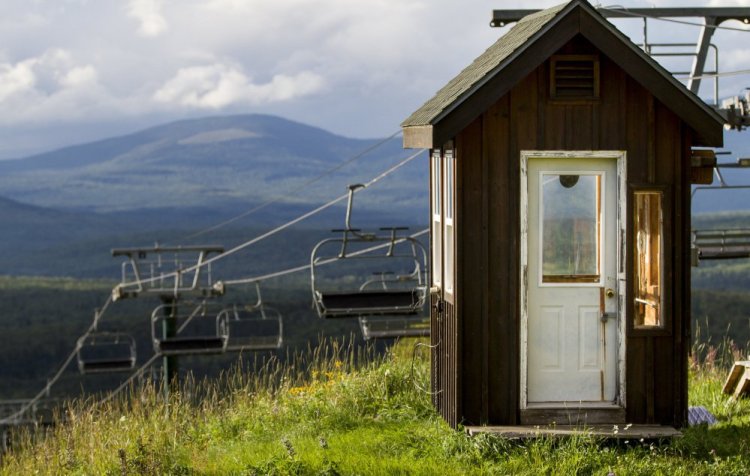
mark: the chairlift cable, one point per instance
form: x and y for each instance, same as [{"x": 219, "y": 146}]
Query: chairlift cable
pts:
[
  {"x": 307, "y": 266},
  {"x": 304, "y": 216},
  {"x": 294, "y": 190},
  {"x": 130, "y": 379},
  {"x": 672, "y": 20},
  {"x": 717, "y": 75},
  {"x": 254, "y": 279}
]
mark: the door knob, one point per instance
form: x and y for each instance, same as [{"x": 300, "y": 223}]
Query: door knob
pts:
[{"x": 610, "y": 293}]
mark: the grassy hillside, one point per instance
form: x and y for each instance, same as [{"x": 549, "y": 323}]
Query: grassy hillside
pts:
[{"x": 346, "y": 412}]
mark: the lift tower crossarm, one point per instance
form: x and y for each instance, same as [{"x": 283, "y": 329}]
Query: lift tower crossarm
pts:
[
  {"x": 139, "y": 262},
  {"x": 721, "y": 14}
]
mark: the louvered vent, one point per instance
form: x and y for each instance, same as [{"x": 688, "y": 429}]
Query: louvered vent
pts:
[{"x": 574, "y": 77}]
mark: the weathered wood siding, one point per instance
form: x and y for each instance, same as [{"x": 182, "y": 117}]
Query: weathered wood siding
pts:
[
  {"x": 444, "y": 359},
  {"x": 486, "y": 319}
]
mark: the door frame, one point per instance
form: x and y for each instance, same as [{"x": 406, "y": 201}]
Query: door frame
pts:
[{"x": 621, "y": 182}]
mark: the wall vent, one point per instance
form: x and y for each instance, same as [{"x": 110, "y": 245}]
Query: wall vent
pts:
[{"x": 574, "y": 77}]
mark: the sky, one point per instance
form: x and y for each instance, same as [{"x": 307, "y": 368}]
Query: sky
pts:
[{"x": 73, "y": 71}]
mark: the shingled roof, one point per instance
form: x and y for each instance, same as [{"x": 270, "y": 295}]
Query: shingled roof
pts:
[{"x": 531, "y": 41}]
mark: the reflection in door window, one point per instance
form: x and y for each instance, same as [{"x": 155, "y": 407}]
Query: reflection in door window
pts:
[
  {"x": 648, "y": 259},
  {"x": 571, "y": 228}
]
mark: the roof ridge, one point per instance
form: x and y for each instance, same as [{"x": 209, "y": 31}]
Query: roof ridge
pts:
[{"x": 483, "y": 64}]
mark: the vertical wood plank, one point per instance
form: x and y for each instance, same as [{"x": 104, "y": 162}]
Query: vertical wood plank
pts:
[
  {"x": 502, "y": 333},
  {"x": 611, "y": 106},
  {"x": 473, "y": 267},
  {"x": 636, "y": 380}
]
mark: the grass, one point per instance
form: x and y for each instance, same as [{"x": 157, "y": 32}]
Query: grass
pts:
[{"x": 335, "y": 410}]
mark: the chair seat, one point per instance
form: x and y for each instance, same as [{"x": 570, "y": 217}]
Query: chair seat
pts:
[{"x": 358, "y": 303}]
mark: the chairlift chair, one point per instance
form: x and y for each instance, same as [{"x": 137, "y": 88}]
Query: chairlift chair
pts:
[
  {"x": 105, "y": 352},
  {"x": 389, "y": 327},
  {"x": 252, "y": 328},
  {"x": 198, "y": 329},
  {"x": 399, "y": 285},
  {"x": 722, "y": 244}
]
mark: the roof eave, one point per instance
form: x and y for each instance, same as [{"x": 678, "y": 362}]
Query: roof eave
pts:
[
  {"x": 522, "y": 50},
  {"x": 418, "y": 137}
]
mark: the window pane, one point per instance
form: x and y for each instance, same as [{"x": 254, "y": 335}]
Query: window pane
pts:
[
  {"x": 436, "y": 183},
  {"x": 648, "y": 259},
  {"x": 449, "y": 165},
  {"x": 571, "y": 214},
  {"x": 448, "y": 235},
  {"x": 437, "y": 226}
]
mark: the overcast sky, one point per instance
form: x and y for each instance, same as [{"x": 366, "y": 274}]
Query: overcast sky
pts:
[{"x": 78, "y": 70}]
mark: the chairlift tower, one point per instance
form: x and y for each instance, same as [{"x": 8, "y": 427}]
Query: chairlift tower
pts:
[
  {"x": 735, "y": 110},
  {"x": 169, "y": 272}
]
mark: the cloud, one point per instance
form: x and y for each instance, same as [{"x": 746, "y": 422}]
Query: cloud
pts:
[
  {"x": 15, "y": 78},
  {"x": 47, "y": 74},
  {"x": 51, "y": 84},
  {"x": 218, "y": 85},
  {"x": 148, "y": 13}
]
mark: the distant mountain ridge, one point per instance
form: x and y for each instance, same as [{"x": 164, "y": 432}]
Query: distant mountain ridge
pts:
[{"x": 227, "y": 163}]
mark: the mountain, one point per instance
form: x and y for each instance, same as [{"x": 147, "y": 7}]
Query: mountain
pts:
[
  {"x": 222, "y": 163},
  {"x": 63, "y": 210}
]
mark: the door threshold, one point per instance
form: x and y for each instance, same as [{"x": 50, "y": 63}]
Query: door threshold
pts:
[
  {"x": 571, "y": 405},
  {"x": 621, "y": 432},
  {"x": 573, "y": 415}
]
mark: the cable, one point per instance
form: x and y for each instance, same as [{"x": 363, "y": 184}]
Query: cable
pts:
[
  {"x": 53, "y": 380},
  {"x": 307, "y": 266},
  {"x": 175, "y": 274},
  {"x": 294, "y": 190},
  {"x": 682, "y": 22},
  {"x": 717, "y": 75},
  {"x": 276, "y": 274},
  {"x": 127, "y": 382}
]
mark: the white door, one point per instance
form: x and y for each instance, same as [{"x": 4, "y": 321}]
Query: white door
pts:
[{"x": 571, "y": 285}]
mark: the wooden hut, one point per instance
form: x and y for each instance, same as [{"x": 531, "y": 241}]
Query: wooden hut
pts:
[{"x": 561, "y": 164}]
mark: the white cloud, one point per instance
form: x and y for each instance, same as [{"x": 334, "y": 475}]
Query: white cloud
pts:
[
  {"x": 50, "y": 85},
  {"x": 80, "y": 75},
  {"x": 219, "y": 85},
  {"x": 15, "y": 78},
  {"x": 149, "y": 14}
]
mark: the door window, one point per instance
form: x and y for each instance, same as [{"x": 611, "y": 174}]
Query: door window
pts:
[{"x": 571, "y": 207}]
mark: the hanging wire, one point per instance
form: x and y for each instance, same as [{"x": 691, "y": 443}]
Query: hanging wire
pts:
[
  {"x": 285, "y": 272},
  {"x": 672, "y": 20},
  {"x": 256, "y": 279},
  {"x": 717, "y": 75},
  {"x": 413, "y": 359},
  {"x": 129, "y": 380},
  {"x": 175, "y": 274},
  {"x": 295, "y": 189}
]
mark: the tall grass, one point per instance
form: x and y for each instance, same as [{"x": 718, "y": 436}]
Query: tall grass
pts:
[{"x": 339, "y": 409}]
